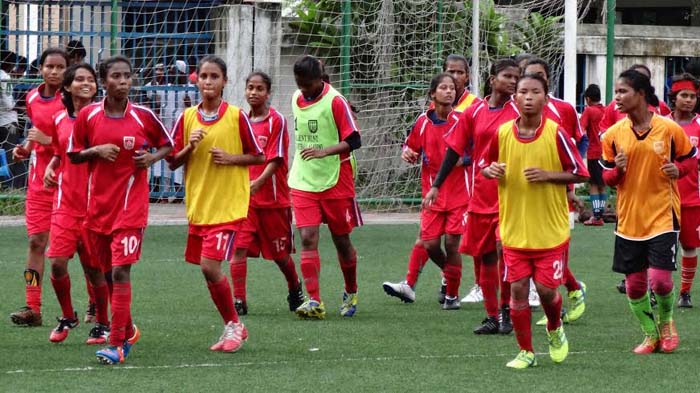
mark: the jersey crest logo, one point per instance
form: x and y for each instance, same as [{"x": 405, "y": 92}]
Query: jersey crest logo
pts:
[
  {"x": 694, "y": 141},
  {"x": 262, "y": 141},
  {"x": 658, "y": 147},
  {"x": 313, "y": 126},
  {"x": 129, "y": 142}
]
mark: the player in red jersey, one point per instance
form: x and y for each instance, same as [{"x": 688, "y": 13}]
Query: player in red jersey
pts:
[
  {"x": 534, "y": 159},
  {"x": 458, "y": 67},
  {"x": 322, "y": 182},
  {"x": 564, "y": 114},
  {"x": 115, "y": 137},
  {"x": 268, "y": 227},
  {"x": 590, "y": 121},
  {"x": 42, "y": 103},
  {"x": 612, "y": 113},
  {"x": 215, "y": 142},
  {"x": 447, "y": 215},
  {"x": 684, "y": 97},
  {"x": 67, "y": 235},
  {"x": 477, "y": 126}
]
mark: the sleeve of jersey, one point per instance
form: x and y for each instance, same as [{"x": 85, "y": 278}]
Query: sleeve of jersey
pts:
[
  {"x": 456, "y": 139},
  {"x": 79, "y": 138},
  {"x": 684, "y": 150},
  {"x": 492, "y": 153},
  {"x": 568, "y": 155},
  {"x": 344, "y": 119},
  {"x": 250, "y": 145},
  {"x": 413, "y": 140},
  {"x": 575, "y": 124},
  {"x": 612, "y": 175},
  {"x": 275, "y": 146},
  {"x": 158, "y": 135}
]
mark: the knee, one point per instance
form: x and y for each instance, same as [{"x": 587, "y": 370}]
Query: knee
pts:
[
  {"x": 58, "y": 270},
  {"x": 309, "y": 241},
  {"x": 37, "y": 243}
]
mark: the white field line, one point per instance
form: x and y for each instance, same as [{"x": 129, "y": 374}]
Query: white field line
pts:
[{"x": 297, "y": 362}]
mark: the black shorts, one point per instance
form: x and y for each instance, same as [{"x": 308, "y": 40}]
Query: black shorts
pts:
[
  {"x": 596, "y": 172},
  {"x": 632, "y": 256}
]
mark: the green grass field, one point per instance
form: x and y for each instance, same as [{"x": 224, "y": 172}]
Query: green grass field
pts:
[{"x": 387, "y": 346}]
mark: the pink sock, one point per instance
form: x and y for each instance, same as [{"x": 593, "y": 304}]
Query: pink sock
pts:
[
  {"x": 62, "y": 288},
  {"x": 453, "y": 276},
  {"x": 419, "y": 257},
  {"x": 311, "y": 269},
  {"x": 349, "y": 268},
  {"x": 489, "y": 286}
]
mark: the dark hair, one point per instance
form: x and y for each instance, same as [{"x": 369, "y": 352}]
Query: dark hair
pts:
[
  {"x": 308, "y": 67},
  {"x": 501, "y": 65},
  {"x": 75, "y": 47},
  {"x": 53, "y": 51},
  {"x": 266, "y": 79},
  {"x": 22, "y": 61},
  {"x": 592, "y": 92},
  {"x": 68, "y": 78},
  {"x": 536, "y": 61},
  {"x": 215, "y": 60},
  {"x": 454, "y": 58},
  {"x": 7, "y": 59},
  {"x": 536, "y": 77},
  {"x": 522, "y": 57},
  {"x": 640, "y": 82},
  {"x": 106, "y": 64},
  {"x": 636, "y": 67},
  {"x": 437, "y": 79}
]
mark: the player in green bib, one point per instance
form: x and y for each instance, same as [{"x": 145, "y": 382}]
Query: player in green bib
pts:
[{"x": 322, "y": 181}]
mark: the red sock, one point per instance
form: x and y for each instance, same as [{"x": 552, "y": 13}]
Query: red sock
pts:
[
  {"x": 102, "y": 304},
  {"x": 453, "y": 275},
  {"x": 310, "y": 269},
  {"x": 221, "y": 295},
  {"x": 62, "y": 288},
  {"x": 504, "y": 285},
  {"x": 570, "y": 281},
  {"x": 121, "y": 309},
  {"x": 33, "y": 297},
  {"x": 349, "y": 268},
  {"x": 290, "y": 272},
  {"x": 489, "y": 286},
  {"x": 688, "y": 267},
  {"x": 90, "y": 290},
  {"x": 239, "y": 271},
  {"x": 521, "y": 316},
  {"x": 553, "y": 312},
  {"x": 419, "y": 257},
  {"x": 477, "y": 269}
]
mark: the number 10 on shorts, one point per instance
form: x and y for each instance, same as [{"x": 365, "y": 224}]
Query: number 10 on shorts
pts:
[{"x": 130, "y": 245}]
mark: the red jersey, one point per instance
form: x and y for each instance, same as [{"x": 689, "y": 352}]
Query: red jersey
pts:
[
  {"x": 612, "y": 115},
  {"x": 476, "y": 128},
  {"x": 41, "y": 110},
  {"x": 345, "y": 122},
  {"x": 118, "y": 193},
  {"x": 590, "y": 121},
  {"x": 565, "y": 115},
  {"x": 272, "y": 136},
  {"x": 71, "y": 194},
  {"x": 428, "y": 138},
  {"x": 688, "y": 185}
]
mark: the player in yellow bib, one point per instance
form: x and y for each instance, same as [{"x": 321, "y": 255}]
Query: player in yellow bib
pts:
[
  {"x": 533, "y": 160},
  {"x": 215, "y": 142}
]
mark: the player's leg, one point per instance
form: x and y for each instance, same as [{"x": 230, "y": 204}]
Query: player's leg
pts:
[
  {"x": 60, "y": 280},
  {"x": 91, "y": 312},
  {"x": 307, "y": 213},
  {"x": 576, "y": 292},
  {"x": 690, "y": 241},
  {"x": 452, "y": 271},
  {"x": 597, "y": 194},
  {"x": 662, "y": 261},
  {"x": 521, "y": 316},
  {"x": 342, "y": 215},
  {"x": 406, "y": 290},
  {"x": 30, "y": 315},
  {"x": 475, "y": 294},
  {"x": 505, "y": 325},
  {"x": 489, "y": 282},
  {"x": 239, "y": 272},
  {"x": 548, "y": 277},
  {"x": 95, "y": 251}
]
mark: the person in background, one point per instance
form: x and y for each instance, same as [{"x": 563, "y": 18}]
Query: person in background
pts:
[{"x": 76, "y": 52}]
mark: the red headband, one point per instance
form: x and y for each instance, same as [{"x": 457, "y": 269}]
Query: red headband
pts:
[{"x": 683, "y": 85}]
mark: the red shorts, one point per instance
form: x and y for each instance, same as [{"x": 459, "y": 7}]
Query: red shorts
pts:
[
  {"x": 434, "y": 224},
  {"x": 544, "y": 266},
  {"x": 68, "y": 236},
  {"x": 341, "y": 215},
  {"x": 210, "y": 241},
  {"x": 38, "y": 216},
  {"x": 690, "y": 227},
  {"x": 121, "y": 247},
  {"x": 480, "y": 234},
  {"x": 268, "y": 231}
]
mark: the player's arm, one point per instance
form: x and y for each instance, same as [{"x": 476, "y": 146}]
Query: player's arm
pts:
[
  {"x": 347, "y": 129},
  {"x": 181, "y": 150},
  {"x": 157, "y": 136},
  {"x": 410, "y": 152},
  {"x": 613, "y": 160},
  {"x": 456, "y": 139},
  {"x": 684, "y": 150},
  {"x": 573, "y": 168},
  {"x": 491, "y": 168},
  {"x": 50, "y": 172},
  {"x": 274, "y": 155},
  {"x": 252, "y": 153}
]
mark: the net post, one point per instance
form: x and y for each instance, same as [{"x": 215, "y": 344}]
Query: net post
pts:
[
  {"x": 475, "y": 73},
  {"x": 345, "y": 49},
  {"x": 610, "y": 53},
  {"x": 570, "y": 72},
  {"x": 113, "y": 28},
  {"x": 439, "y": 32}
]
